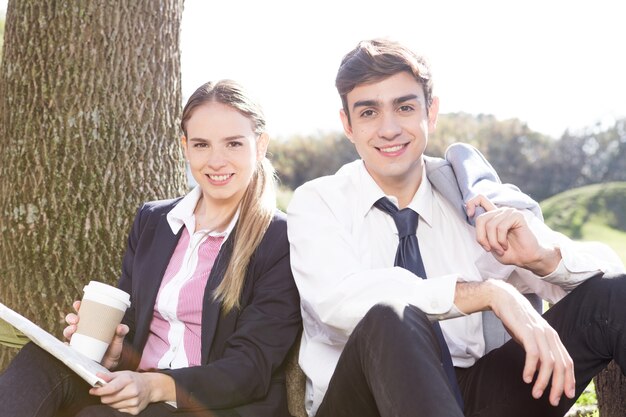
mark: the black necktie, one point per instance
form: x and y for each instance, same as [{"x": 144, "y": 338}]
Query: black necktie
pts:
[{"x": 408, "y": 256}]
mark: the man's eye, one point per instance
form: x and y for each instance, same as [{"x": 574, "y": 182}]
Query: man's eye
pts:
[
  {"x": 406, "y": 108},
  {"x": 367, "y": 113}
]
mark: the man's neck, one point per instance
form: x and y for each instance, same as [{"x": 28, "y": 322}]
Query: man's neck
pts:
[
  {"x": 404, "y": 191},
  {"x": 402, "y": 187}
]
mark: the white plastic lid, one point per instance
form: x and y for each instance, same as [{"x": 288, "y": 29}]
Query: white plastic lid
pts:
[{"x": 107, "y": 290}]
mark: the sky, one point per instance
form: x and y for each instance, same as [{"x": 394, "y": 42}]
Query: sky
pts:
[{"x": 554, "y": 64}]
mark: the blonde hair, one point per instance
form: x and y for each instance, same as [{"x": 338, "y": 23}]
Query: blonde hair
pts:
[{"x": 259, "y": 200}]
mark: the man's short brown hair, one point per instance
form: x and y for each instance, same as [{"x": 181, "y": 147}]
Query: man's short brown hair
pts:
[{"x": 377, "y": 59}]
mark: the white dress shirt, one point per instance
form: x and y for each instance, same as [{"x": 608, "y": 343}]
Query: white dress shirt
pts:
[{"x": 342, "y": 256}]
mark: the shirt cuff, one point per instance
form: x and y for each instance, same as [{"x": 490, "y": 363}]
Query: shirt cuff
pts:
[
  {"x": 573, "y": 268},
  {"x": 560, "y": 271},
  {"x": 454, "y": 312},
  {"x": 440, "y": 303}
]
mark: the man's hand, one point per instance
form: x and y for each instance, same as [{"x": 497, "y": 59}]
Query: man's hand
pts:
[
  {"x": 131, "y": 392},
  {"x": 113, "y": 354},
  {"x": 545, "y": 354},
  {"x": 505, "y": 233}
]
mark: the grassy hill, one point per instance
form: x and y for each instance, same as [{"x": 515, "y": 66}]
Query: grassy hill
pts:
[{"x": 595, "y": 212}]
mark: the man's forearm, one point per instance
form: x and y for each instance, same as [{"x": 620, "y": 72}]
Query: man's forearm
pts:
[{"x": 470, "y": 297}]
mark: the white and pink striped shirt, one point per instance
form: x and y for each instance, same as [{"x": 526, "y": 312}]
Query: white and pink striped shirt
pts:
[{"x": 175, "y": 332}]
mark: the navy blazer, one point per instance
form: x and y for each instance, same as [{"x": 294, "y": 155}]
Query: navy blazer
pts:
[{"x": 242, "y": 353}]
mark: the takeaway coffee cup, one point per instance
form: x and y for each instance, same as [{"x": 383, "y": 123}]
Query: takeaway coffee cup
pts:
[{"x": 101, "y": 310}]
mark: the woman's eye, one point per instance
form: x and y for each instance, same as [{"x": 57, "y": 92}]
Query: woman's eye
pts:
[
  {"x": 234, "y": 144},
  {"x": 200, "y": 145}
]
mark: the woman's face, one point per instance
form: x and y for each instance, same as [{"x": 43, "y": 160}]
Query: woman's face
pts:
[{"x": 222, "y": 150}]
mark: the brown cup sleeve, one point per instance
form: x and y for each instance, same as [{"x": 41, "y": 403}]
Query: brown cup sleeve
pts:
[{"x": 98, "y": 320}]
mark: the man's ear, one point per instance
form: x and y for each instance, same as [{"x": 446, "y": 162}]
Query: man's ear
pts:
[
  {"x": 347, "y": 126},
  {"x": 261, "y": 146},
  {"x": 183, "y": 142},
  {"x": 433, "y": 114}
]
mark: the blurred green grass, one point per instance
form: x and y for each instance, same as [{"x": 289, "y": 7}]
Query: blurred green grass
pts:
[{"x": 593, "y": 213}]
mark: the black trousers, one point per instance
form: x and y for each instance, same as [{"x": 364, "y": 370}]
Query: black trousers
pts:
[
  {"x": 35, "y": 384},
  {"x": 391, "y": 366}
]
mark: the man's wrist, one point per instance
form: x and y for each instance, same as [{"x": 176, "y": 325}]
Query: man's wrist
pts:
[
  {"x": 547, "y": 261},
  {"x": 471, "y": 297},
  {"x": 498, "y": 294}
]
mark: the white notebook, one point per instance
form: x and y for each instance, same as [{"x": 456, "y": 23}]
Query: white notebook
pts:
[{"x": 76, "y": 361}]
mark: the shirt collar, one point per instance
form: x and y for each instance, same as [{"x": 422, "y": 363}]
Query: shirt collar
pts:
[
  {"x": 370, "y": 192},
  {"x": 422, "y": 202},
  {"x": 182, "y": 215}
]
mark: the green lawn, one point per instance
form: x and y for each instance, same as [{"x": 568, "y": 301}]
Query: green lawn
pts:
[
  {"x": 616, "y": 239},
  {"x": 595, "y": 213},
  {"x": 597, "y": 230}
]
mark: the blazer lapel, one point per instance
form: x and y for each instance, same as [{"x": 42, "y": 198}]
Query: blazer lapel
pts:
[
  {"x": 160, "y": 252},
  {"x": 211, "y": 308}
]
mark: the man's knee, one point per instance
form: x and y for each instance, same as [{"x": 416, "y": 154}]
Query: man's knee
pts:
[
  {"x": 387, "y": 322},
  {"x": 602, "y": 296},
  {"x": 613, "y": 289},
  {"x": 607, "y": 288}
]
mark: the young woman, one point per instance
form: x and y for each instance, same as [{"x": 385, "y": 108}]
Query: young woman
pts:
[{"x": 214, "y": 306}]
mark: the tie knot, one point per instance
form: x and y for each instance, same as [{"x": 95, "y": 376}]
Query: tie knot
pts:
[
  {"x": 406, "y": 219},
  {"x": 406, "y": 222}
]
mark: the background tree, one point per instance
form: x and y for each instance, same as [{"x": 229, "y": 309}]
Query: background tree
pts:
[
  {"x": 89, "y": 104},
  {"x": 302, "y": 158},
  {"x": 611, "y": 391},
  {"x": 540, "y": 165}
]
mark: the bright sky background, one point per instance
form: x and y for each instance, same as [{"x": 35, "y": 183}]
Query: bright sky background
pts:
[{"x": 554, "y": 64}]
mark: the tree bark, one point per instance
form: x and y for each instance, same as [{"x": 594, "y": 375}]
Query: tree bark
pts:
[
  {"x": 611, "y": 392},
  {"x": 90, "y": 101}
]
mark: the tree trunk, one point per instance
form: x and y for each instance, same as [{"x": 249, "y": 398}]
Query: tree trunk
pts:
[
  {"x": 611, "y": 392},
  {"x": 89, "y": 107}
]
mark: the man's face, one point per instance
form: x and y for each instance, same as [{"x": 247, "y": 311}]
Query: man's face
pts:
[{"x": 389, "y": 126}]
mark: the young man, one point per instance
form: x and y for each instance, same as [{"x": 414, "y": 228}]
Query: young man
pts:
[{"x": 372, "y": 342}]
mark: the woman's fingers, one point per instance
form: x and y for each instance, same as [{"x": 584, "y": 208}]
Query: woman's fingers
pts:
[{"x": 72, "y": 321}]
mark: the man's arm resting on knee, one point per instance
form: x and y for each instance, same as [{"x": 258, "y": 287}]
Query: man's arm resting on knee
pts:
[{"x": 545, "y": 354}]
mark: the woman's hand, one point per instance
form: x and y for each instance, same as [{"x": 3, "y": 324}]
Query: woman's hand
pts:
[
  {"x": 72, "y": 321},
  {"x": 131, "y": 392},
  {"x": 112, "y": 356}
]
